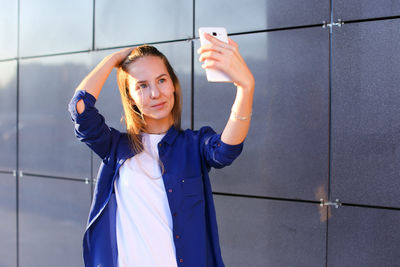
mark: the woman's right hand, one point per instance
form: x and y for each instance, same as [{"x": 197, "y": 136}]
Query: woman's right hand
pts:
[
  {"x": 119, "y": 56},
  {"x": 94, "y": 81}
]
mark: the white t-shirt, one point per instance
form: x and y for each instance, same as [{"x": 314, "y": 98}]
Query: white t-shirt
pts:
[{"x": 143, "y": 220}]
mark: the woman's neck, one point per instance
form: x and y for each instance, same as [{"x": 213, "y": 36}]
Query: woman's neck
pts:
[{"x": 158, "y": 126}]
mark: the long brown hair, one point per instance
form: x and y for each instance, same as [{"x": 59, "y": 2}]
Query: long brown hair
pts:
[{"x": 134, "y": 120}]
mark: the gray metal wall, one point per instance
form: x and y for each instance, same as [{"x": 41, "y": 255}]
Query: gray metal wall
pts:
[{"x": 325, "y": 124}]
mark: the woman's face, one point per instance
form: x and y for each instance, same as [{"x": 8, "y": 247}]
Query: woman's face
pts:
[{"x": 152, "y": 89}]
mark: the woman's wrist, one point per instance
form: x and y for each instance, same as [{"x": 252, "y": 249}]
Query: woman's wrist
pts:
[
  {"x": 247, "y": 86},
  {"x": 245, "y": 89},
  {"x": 235, "y": 116}
]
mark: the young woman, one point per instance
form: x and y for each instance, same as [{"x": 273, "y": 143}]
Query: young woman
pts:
[{"x": 153, "y": 204}]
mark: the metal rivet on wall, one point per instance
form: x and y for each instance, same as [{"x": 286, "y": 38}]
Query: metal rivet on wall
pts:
[
  {"x": 337, "y": 203},
  {"x": 339, "y": 23}
]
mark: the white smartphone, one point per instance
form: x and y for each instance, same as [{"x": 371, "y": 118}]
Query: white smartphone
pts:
[{"x": 221, "y": 34}]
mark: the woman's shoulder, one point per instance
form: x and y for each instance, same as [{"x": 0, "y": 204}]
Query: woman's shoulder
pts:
[
  {"x": 124, "y": 142},
  {"x": 120, "y": 146}
]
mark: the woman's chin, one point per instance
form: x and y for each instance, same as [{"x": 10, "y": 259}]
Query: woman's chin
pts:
[{"x": 158, "y": 116}]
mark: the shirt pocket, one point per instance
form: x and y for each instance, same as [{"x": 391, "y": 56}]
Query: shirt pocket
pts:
[{"x": 192, "y": 186}]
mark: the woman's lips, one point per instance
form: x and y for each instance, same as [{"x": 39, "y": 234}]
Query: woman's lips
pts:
[{"x": 160, "y": 105}]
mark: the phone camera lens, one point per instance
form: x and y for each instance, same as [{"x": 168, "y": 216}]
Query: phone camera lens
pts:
[{"x": 214, "y": 34}]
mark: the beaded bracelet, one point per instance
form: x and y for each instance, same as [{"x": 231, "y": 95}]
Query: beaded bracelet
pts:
[{"x": 237, "y": 117}]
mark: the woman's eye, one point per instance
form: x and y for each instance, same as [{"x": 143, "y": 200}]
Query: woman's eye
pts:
[
  {"x": 142, "y": 86},
  {"x": 162, "y": 80}
]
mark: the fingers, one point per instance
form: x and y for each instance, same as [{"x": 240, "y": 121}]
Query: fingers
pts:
[
  {"x": 216, "y": 45},
  {"x": 225, "y": 57},
  {"x": 210, "y": 54},
  {"x": 213, "y": 40},
  {"x": 210, "y": 57},
  {"x": 231, "y": 42},
  {"x": 209, "y": 47},
  {"x": 126, "y": 52},
  {"x": 212, "y": 64},
  {"x": 121, "y": 55}
]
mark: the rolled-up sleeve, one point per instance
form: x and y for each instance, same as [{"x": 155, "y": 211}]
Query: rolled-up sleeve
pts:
[
  {"x": 90, "y": 126},
  {"x": 216, "y": 153}
]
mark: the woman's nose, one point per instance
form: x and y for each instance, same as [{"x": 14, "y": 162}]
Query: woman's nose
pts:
[{"x": 155, "y": 92}]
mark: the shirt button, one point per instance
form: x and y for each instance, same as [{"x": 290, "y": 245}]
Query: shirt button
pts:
[
  {"x": 177, "y": 236},
  {"x": 175, "y": 214},
  {"x": 180, "y": 260},
  {"x": 183, "y": 181},
  {"x": 170, "y": 190},
  {"x": 160, "y": 144}
]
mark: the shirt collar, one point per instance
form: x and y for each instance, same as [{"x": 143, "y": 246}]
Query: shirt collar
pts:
[{"x": 170, "y": 136}]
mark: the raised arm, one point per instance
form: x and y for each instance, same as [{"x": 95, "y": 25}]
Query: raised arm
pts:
[
  {"x": 94, "y": 81},
  {"x": 226, "y": 57},
  {"x": 90, "y": 126}
]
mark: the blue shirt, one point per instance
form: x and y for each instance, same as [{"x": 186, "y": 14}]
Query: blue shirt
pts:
[{"x": 187, "y": 157}]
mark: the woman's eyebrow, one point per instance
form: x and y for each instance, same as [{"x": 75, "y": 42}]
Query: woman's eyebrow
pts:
[{"x": 158, "y": 77}]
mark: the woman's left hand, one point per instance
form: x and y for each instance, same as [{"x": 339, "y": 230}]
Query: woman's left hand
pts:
[{"x": 226, "y": 57}]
